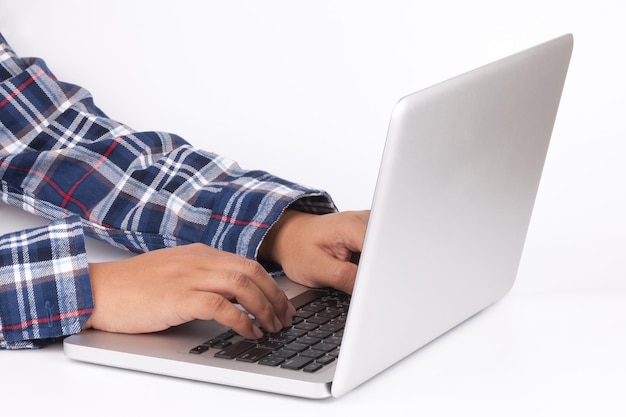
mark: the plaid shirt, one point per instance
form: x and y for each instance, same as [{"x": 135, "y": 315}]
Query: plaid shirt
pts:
[{"x": 62, "y": 158}]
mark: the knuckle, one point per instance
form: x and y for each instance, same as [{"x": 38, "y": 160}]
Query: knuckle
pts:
[
  {"x": 195, "y": 246},
  {"x": 240, "y": 321},
  {"x": 216, "y": 303},
  {"x": 250, "y": 267},
  {"x": 180, "y": 265},
  {"x": 222, "y": 310},
  {"x": 239, "y": 280},
  {"x": 265, "y": 311},
  {"x": 277, "y": 296}
]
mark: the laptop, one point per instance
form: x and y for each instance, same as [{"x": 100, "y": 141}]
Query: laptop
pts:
[{"x": 452, "y": 204}]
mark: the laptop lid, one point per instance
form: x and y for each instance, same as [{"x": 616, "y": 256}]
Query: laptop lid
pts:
[
  {"x": 454, "y": 196},
  {"x": 457, "y": 183}
]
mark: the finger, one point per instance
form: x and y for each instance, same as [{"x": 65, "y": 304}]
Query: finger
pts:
[
  {"x": 250, "y": 284},
  {"x": 211, "y": 306},
  {"x": 354, "y": 229},
  {"x": 239, "y": 286},
  {"x": 347, "y": 241},
  {"x": 282, "y": 308},
  {"x": 336, "y": 273}
]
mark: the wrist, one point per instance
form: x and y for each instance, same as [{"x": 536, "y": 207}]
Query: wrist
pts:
[{"x": 273, "y": 244}]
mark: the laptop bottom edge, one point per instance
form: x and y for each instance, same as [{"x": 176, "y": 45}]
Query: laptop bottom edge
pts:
[{"x": 192, "y": 372}]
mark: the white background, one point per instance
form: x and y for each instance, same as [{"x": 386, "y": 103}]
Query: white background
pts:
[{"x": 305, "y": 90}]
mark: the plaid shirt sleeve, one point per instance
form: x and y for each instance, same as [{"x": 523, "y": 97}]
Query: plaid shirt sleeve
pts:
[
  {"x": 60, "y": 155},
  {"x": 45, "y": 291}
]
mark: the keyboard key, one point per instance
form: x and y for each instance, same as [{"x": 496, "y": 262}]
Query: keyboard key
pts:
[
  {"x": 271, "y": 360},
  {"x": 330, "y": 313},
  {"x": 282, "y": 338},
  {"x": 318, "y": 320},
  {"x": 220, "y": 338},
  {"x": 271, "y": 344},
  {"x": 296, "y": 363},
  {"x": 296, "y": 347},
  {"x": 310, "y": 353},
  {"x": 334, "y": 353},
  {"x": 313, "y": 367},
  {"x": 199, "y": 349},
  {"x": 307, "y": 340},
  {"x": 231, "y": 352},
  {"x": 303, "y": 314},
  {"x": 254, "y": 354},
  {"x": 306, "y": 326},
  {"x": 221, "y": 345},
  {"x": 324, "y": 347},
  {"x": 331, "y": 327},
  {"x": 285, "y": 354},
  {"x": 313, "y": 307},
  {"x": 320, "y": 334},
  {"x": 334, "y": 340},
  {"x": 293, "y": 332},
  {"x": 326, "y": 359}
]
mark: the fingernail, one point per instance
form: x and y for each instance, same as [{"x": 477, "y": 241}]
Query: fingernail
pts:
[
  {"x": 257, "y": 332},
  {"x": 287, "y": 319},
  {"x": 277, "y": 324},
  {"x": 291, "y": 311}
]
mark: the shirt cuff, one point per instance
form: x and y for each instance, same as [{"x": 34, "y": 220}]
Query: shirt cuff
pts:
[{"x": 45, "y": 289}]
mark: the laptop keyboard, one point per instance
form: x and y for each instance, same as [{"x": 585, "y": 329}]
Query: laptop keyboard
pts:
[{"x": 312, "y": 342}]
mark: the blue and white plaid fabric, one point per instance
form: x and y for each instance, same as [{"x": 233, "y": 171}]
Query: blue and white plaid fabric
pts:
[
  {"x": 44, "y": 283},
  {"x": 61, "y": 157}
]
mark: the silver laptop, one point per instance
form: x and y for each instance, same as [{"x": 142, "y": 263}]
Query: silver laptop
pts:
[{"x": 452, "y": 205}]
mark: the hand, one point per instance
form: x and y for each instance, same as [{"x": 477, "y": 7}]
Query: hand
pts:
[
  {"x": 316, "y": 250},
  {"x": 156, "y": 290}
]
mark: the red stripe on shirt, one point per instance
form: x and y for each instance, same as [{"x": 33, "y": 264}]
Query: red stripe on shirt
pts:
[
  {"x": 231, "y": 220},
  {"x": 67, "y": 197},
  {"x": 44, "y": 320},
  {"x": 57, "y": 188},
  {"x": 21, "y": 87}
]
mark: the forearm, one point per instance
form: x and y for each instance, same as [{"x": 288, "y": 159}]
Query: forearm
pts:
[{"x": 137, "y": 190}]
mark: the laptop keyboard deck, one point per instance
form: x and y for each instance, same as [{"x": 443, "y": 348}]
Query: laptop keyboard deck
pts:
[{"x": 309, "y": 344}]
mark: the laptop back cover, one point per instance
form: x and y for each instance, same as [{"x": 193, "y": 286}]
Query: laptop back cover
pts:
[{"x": 455, "y": 192}]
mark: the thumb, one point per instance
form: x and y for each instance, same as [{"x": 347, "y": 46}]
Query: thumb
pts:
[{"x": 334, "y": 272}]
